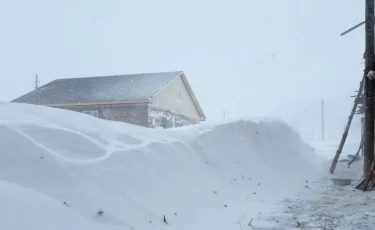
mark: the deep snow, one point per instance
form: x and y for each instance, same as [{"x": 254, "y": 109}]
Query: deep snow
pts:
[{"x": 59, "y": 168}]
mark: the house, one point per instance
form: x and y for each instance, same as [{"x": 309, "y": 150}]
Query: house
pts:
[{"x": 149, "y": 100}]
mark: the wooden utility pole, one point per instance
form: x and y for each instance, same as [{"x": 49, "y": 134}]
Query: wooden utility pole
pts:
[
  {"x": 36, "y": 82},
  {"x": 362, "y": 132},
  {"x": 322, "y": 119},
  {"x": 369, "y": 92}
]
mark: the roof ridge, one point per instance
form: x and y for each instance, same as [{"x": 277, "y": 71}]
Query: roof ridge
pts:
[{"x": 121, "y": 75}]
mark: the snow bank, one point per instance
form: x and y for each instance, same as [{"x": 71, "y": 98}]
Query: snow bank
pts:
[{"x": 58, "y": 168}]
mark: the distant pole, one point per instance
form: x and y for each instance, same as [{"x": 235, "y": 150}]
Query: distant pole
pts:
[
  {"x": 223, "y": 114},
  {"x": 369, "y": 92},
  {"x": 36, "y": 82},
  {"x": 322, "y": 119}
]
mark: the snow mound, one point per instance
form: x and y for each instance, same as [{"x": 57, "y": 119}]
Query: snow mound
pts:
[{"x": 59, "y": 168}]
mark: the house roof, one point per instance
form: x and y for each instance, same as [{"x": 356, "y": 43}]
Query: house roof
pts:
[{"x": 106, "y": 89}]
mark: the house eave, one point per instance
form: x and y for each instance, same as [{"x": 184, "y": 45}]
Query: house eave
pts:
[
  {"x": 99, "y": 103},
  {"x": 196, "y": 103},
  {"x": 190, "y": 91}
]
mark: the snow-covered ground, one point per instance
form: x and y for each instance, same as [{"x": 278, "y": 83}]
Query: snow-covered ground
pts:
[
  {"x": 65, "y": 170},
  {"x": 323, "y": 205}
]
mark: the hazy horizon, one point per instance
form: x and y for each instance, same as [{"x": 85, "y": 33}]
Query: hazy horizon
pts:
[{"x": 263, "y": 60}]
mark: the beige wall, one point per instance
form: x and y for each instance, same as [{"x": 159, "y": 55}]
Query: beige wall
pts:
[{"x": 175, "y": 97}]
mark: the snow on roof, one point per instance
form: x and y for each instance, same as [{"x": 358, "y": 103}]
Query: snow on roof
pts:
[{"x": 99, "y": 89}]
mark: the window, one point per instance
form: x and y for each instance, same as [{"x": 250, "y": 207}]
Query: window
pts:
[{"x": 94, "y": 113}]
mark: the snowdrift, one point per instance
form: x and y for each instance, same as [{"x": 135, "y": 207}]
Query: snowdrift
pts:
[{"x": 59, "y": 168}]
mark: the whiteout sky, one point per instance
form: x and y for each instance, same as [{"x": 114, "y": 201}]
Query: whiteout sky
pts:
[{"x": 249, "y": 57}]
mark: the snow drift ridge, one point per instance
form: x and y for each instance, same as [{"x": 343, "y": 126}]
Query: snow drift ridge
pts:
[{"x": 199, "y": 177}]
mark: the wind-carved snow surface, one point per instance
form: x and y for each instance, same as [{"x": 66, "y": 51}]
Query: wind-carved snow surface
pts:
[{"x": 59, "y": 168}]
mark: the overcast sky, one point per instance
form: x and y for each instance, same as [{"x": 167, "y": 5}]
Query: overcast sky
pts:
[{"x": 249, "y": 57}]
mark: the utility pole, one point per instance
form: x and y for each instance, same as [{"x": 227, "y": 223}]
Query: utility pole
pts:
[
  {"x": 362, "y": 133},
  {"x": 369, "y": 93},
  {"x": 36, "y": 82},
  {"x": 322, "y": 119}
]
